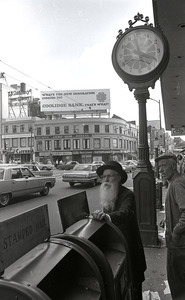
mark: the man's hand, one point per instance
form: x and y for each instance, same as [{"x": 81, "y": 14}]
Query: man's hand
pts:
[{"x": 100, "y": 216}]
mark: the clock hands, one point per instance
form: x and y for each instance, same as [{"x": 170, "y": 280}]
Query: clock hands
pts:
[
  {"x": 143, "y": 54},
  {"x": 138, "y": 51}
]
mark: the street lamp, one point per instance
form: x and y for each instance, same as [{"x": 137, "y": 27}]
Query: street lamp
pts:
[
  {"x": 31, "y": 144},
  {"x": 157, "y": 148},
  {"x": 84, "y": 140},
  {"x": 158, "y": 101}
]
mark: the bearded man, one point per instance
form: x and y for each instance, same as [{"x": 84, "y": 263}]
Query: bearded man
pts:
[{"x": 118, "y": 207}]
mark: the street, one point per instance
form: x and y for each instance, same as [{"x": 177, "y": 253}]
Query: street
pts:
[{"x": 60, "y": 190}]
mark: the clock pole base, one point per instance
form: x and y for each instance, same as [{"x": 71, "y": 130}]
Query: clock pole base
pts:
[
  {"x": 150, "y": 238},
  {"x": 145, "y": 195}
]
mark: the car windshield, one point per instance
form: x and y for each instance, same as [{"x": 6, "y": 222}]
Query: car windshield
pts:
[{"x": 83, "y": 167}]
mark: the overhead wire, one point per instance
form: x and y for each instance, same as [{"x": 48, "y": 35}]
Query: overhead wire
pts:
[{"x": 36, "y": 80}]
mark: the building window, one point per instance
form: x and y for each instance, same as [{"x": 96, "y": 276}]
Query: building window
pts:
[
  {"x": 6, "y": 129},
  {"x": 86, "y": 128},
  {"x": 22, "y": 128},
  {"x": 57, "y": 144},
  {"x": 67, "y": 144},
  {"x": 115, "y": 143},
  {"x": 115, "y": 128},
  {"x": 15, "y": 143},
  {"x": 86, "y": 143},
  {"x": 47, "y": 130},
  {"x": 57, "y": 130},
  {"x": 48, "y": 145},
  {"x": 39, "y": 131},
  {"x": 97, "y": 144},
  {"x": 66, "y": 129},
  {"x": 107, "y": 128},
  {"x": 31, "y": 141},
  {"x": 107, "y": 143},
  {"x": 120, "y": 144},
  {"x": 96, "y": 128},
  {"x": 39, "y": 146},
  {"x": 76, "y": 144},
  {"x": 7, "y": 142},
  {"x": 76, "y": 129},
  {"x": 22, "y": 142},
  {"x": 14, "y": 128}
]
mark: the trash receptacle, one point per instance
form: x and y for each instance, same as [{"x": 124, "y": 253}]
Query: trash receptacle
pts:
[
  {"x": 159, "y": 204},
  {"x": 106, "y": 238},
  {"x": 35, "y": 266}
]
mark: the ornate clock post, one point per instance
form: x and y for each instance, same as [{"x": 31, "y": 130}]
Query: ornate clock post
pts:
[{"x": 139, "y": 56}]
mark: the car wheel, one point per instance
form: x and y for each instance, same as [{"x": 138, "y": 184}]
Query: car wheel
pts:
[
  {"x": 5, "y": 199},
  {"x": 45, "y": 191},
  {"x": 94, "y": 182},
  {"x": 71, "y": 184}
]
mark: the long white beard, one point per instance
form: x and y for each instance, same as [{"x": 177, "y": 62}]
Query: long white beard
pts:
[{"x": 108, "y": 195}]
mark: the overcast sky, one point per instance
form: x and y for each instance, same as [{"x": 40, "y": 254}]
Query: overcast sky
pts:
[{"x": 67, "y": 45}]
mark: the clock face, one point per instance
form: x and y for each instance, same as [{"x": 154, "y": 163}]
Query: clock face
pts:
[{"x": 139, "y": 52}]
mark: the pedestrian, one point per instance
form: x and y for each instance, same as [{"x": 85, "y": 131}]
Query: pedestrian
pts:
[
  {"x": 118, "y": 207},
  {"x": 175, "y": 224}
]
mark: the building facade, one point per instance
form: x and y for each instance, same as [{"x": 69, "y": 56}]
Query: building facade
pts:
[{"x": 81, "y": 139}]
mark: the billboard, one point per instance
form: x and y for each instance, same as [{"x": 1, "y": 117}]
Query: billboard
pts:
[{"x": 75, "y": 101}]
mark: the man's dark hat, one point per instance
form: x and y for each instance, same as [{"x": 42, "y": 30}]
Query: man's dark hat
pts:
[
  {"x": 113, "y": 165},
  {"x": 166, "y": 156}
]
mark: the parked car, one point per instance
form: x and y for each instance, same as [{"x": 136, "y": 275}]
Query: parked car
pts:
[
  {"x": 129, "y": 166},
  {"x": 68, "y": 166},
  {"x": 82, "y": 173},
  {"x": 41, "y": 170},
  {"x": 17, "y": 180},
  {"x": 97, "y": 162}
]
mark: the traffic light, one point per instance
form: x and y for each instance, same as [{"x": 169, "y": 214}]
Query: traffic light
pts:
[{"x": 5, "y": 146}]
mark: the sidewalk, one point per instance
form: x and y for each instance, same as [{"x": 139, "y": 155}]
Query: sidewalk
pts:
[{"x": 155, "y": 285}]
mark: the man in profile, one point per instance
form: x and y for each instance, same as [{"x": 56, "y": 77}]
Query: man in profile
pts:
[{"x": 118, "y": 207}]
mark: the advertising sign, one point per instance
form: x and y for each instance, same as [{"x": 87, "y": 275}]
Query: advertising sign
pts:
[
  {"x": 22, "y": 233},
  {"x": 75, "y": 101}
]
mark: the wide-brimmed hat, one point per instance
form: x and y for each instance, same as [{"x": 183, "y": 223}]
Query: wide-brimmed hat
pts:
[
  {"x": 113, "y": 165},
  {"x": 166, "y": 156}
]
